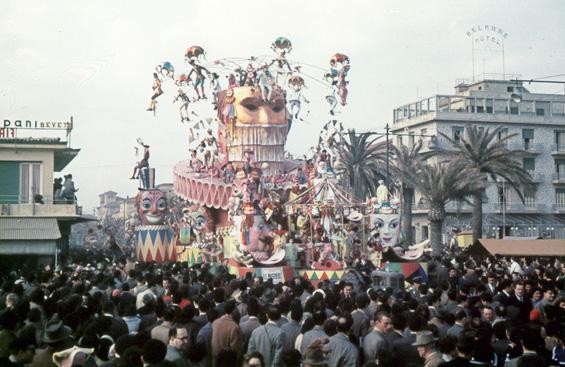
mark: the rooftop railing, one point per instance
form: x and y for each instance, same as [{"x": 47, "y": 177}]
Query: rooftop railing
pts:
[{"x": 478, "y": 105}]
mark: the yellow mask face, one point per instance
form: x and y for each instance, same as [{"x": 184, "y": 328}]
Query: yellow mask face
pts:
[{"x": 250, "y": 108}]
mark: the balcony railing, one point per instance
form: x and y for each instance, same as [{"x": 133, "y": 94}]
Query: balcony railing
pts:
[
  {"x": 11, "y": 205},
  {"x": 558, "y": 148},
  {"x": 514, "y": 207},
  {"x": 558, "y": 177},
  {"x": 479, "y": 105}
]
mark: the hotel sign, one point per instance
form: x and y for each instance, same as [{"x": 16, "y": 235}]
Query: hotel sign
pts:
[
  {"x": 487, "y": 33},
  {"x": 40, "y": 125}
]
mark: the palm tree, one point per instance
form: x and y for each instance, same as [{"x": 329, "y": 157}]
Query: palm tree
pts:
[
  {"x": 485, "y": 151},
  {"x": 358, "y": 161},
  {"x": 406, "y": 161},
  {"x": 440, "y": 183}
]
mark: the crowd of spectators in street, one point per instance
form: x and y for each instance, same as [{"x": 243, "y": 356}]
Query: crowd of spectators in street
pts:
[{"x": 470, "y": 311}]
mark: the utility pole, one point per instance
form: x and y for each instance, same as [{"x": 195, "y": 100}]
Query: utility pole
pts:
[{"x": 387, "y": 129}]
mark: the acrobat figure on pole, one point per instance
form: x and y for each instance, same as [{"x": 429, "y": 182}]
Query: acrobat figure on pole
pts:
[
  {"x": 185, "y": 100},
  {"x": 198, "y": 71},
  {"x": 144, "y": 163},
  {"x": 166, "y": 69},
  {"x": 157, "y": 91}
]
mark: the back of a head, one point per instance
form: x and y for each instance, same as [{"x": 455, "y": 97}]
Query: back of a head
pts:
[
  {"x": 362, "y": 300},
  {"x": 344, "y": 323},
  {"x": 154, "y": 351},
  {"x": 296, "y": 313},
  {"x": 219, "y": 295},
  {"x": 319, "y": 317},
  {"x": 398, "y": 321},
  {"x": 229, "y": 307},
  {"x": 274, "y": 313}
]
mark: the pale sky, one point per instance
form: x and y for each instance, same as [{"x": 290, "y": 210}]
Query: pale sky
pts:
[{"x": 94, "y": 60}]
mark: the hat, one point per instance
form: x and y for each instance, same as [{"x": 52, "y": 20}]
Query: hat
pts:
[
  {"x": 314, "y": 354},
  {"x": 424, "y": 338},
  {"x": 355, "y": 216},
  {"x": 55, "y": 331},
  {"x": 74, "y": 356}
]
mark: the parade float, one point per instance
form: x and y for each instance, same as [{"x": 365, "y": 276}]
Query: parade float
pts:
[{"x": 248, "y": 204}]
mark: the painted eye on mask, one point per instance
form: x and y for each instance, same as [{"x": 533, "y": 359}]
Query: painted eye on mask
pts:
[
  {"x": 161, "y": 204},
  {"x": 251, "y": 107},
  {"x": 146, "y": 204},
  {"x": 278, "y": 108}
]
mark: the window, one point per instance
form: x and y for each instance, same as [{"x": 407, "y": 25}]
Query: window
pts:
[
  {"x": 560, "y": 198},
  {"x": 510, "y": 89},
  {"x": 560, "y": 169},
  {"x": 423, "y": 132},
  {"x": 399, "y": 140},
  {"x": 529, "y": 198},
  {"x": 541, "y": 108},
  {"x": 488, "y": 105},
  {"x": 457, "y": 132},
  {"x": 30, "y": 181},
  {"x": 529, "y": 164},
  {"x": 502, "y": 133},
  {"x": 560, "y": 140},
  {"x": 527, "y": 138},
  {"x": 412, "y": 139}
]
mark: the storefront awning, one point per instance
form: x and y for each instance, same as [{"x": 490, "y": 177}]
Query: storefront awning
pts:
[
  {"x": 550, "y": 248},
  {"x": 28, "y": 236},
  {"x": 25, "y": 228},
  {"x": 27, "y": 247}
]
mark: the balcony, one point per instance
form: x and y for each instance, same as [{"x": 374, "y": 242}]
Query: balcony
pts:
[
  {"x": 558, "y": 178},
  {"x": 27, "y": 208},
  {"x": 519, "y": 207},
  {"x": 537, "y": 176},
  {"x": 533, "y": 110},
  {"x": 559, "y": 208},
  {"x": 558, "y": 149},
  {"x": 530, "y": 147}
]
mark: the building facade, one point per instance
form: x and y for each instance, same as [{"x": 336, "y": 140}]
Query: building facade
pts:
[
  {"x": 34, "y": 224},
  {"x": 537, "y": 123}
]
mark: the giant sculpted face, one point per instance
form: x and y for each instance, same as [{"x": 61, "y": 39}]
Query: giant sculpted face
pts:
[
  {"x": 151, "y": 207},
  {"x": 259, "y": 125},
  {"x": 251, "y": 108}
]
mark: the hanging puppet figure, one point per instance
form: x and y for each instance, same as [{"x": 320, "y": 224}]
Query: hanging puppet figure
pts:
[
  {"x": 281, "y": 46},
  {"x": 332, "y": 101},
  {"x": 183, "y": 106},
  {"x": 216, "y": 88},
  {"x": 182, "y": 80},
  {"x": 143, "y": 163},
  {"x": 210, "y": 149},
  {"x": 232, "y": 81},
  {"x": 166, "y": 69},
  {"x": 265, "y": 82},
  {"x": 229, "y": 109},
  {"x": 342, "y": 84},
  {"x": 194, "y": 52},
  {"x": 249, "y": 76},
  {"x": 295, "y": 96},
  {"x": 198, "y": 71},
  {"x": 157, "y": 91}
]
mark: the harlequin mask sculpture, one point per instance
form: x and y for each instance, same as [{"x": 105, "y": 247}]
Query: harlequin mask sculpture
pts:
[
  {"x": 259, "y": 125},
  {"x": 388, "y": 227},
  {"x": 151, "y": 207}
]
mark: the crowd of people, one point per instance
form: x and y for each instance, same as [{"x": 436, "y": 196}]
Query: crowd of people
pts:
[{"x": 470, "y": 311}]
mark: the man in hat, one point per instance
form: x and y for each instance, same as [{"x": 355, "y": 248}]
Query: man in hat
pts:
[
  {"x": 57, "y": 338},
  {"x": 425, "y": 343},
  {"x": 315, "y": 354}
]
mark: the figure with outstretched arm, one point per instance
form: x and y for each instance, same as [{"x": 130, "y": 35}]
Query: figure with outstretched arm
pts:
[
  {"x": 157, "y": 91},
  {"x": 198, "y": 71},
  {"x": 143, "y": 163}
]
